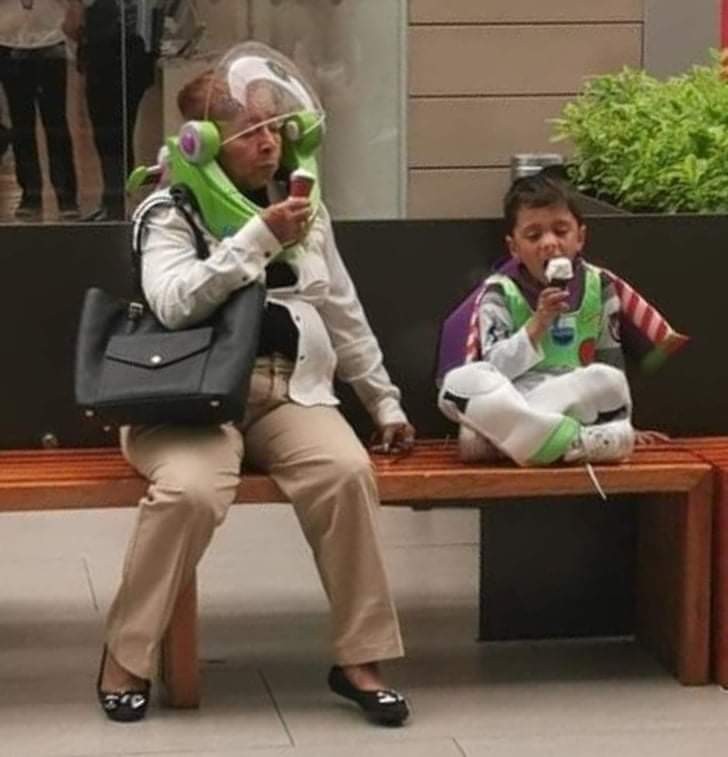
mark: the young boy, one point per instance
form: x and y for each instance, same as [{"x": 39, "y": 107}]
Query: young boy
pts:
[{"x": 550, "y": 385}]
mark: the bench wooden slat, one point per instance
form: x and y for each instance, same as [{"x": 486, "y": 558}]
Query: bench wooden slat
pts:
[{"x": 59, "y": 479}]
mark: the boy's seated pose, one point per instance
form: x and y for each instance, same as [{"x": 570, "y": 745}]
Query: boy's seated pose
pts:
[{"x": 550, "y": 385}]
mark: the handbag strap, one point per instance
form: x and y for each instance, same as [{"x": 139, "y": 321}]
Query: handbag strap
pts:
[{"x": 181, "y": 198}]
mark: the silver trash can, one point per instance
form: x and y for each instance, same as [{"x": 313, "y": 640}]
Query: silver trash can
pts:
[{"x": 531, "y": 163}]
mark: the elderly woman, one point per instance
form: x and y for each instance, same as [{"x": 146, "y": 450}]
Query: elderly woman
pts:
[{"x": 313, "y": 327}]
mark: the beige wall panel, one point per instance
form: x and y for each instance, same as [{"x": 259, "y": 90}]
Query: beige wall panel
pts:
[
  {"x": 480, "y": 131},
  {"x": 493, "y": 11},
  {"x": 464, "y": 193},
  {"x": 472, "y": 60}
]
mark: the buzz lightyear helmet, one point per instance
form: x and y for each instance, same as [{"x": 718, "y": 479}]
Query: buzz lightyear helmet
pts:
[{"x": 251, "y": 86}]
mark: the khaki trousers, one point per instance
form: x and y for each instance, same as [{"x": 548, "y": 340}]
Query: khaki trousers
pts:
[{"x": 317, "y": 461}]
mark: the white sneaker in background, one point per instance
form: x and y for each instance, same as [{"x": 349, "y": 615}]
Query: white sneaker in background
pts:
[{"x": 603, "y": 443}]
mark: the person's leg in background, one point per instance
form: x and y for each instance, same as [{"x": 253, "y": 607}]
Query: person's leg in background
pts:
[
  {"x": 105, "y": 101},
  {"x": 140, "y": 69},
  {"x": 19, "y": 79},
  {"x": 113, "y": 105},
  {"x": 5, "y": 135},
  {"x": 52, "y": 104}
]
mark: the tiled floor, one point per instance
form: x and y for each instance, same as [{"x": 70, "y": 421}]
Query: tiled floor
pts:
[{"x": 264, "y": 626}]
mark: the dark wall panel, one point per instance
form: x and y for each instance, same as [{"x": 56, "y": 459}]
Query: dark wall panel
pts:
[{"x": 409, "y": 275}]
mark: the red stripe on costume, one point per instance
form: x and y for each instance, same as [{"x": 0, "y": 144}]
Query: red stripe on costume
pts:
[
  {"x": 647, "y": 320},
  {"x": 472, "y": 343},
  {"x": 661, "y": 331},
  {"x": 631, "y": 301}
]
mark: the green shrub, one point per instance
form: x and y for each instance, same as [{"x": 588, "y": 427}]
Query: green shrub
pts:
[{"x": 646, "y": 144}]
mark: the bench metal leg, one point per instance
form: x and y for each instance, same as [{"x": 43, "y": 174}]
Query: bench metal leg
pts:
[
  {"x": 180, "y": 664},
  {"x": 673, "y": 580}
]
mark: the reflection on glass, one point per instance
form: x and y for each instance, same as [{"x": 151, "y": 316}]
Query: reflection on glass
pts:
[
  {"x": 33, "y": 73},
  {"x": 88, "y": 65},
  {"x": 84, "y": 64},
  {"x": 350, "y": 50},
  {"x": 117, "y": 55},
  {"x": 353, "y": 55}
]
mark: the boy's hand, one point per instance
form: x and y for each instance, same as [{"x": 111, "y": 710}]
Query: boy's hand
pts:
[
  {"x": 288, "y": 219},
  {"x": 552, "y": 302}
]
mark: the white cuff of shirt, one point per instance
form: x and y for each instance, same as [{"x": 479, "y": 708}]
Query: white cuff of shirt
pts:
[{"x": 388, "y": 411}]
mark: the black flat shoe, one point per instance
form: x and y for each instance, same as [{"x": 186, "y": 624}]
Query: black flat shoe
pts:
[
  {"x": 122, "y": 706},
  {"x": 385, "y": 706}
]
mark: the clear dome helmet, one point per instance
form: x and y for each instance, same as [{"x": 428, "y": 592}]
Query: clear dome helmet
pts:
[{"x": 250, "y": 87}]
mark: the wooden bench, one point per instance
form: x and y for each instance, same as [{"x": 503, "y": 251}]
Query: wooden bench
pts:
[
  {"x": 714, "y": 450},
  {"x": 674, "y": 546}
]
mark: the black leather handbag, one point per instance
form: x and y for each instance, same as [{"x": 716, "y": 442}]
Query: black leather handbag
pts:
[{"x": 130, "y": 369}]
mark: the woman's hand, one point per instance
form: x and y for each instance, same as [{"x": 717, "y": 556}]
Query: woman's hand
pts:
[
  {"x": 288, "y": 219},
  {"x": 393, "y": 438}
]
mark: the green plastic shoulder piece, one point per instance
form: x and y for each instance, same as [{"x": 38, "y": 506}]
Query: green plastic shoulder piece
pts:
[{"x": 224, "y": 209}]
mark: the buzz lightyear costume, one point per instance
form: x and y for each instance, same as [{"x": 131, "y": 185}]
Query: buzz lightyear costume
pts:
[
  {"x": 545, "y": 414},
  {"x": 189, "y": 158}
]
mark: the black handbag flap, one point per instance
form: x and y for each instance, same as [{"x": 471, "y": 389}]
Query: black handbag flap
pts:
[{"x": 160, "y": 349}]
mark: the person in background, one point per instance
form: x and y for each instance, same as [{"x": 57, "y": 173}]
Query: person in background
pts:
[
  {"x": 33, "y": 72},
  {"x": 118, "y": 44}
]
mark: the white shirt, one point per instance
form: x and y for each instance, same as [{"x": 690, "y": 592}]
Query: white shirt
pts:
[
  {"x": 39, "y": 26},
  {"x": 334, "y": 334}
]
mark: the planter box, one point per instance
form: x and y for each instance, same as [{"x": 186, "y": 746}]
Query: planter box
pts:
[{"x": 591, "y": 206}]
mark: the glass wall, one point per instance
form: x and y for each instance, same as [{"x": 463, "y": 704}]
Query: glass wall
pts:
[
  {"x": 353, "y": 53},
  {"x": 89, "y": 89},
  {"x": 73, "y": 76}
]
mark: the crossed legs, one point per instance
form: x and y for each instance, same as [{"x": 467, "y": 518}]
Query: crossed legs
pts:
[{"x": 551, "y": 422}]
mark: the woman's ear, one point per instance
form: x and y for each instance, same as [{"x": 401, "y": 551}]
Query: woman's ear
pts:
[{"x": 511, "y": 244}]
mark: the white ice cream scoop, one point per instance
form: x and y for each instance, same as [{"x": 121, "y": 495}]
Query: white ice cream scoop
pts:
[{"x": 559, "y": 271}]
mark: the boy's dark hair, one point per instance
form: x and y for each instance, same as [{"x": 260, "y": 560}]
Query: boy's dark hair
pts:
[{"x": 538, "y": 191}]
